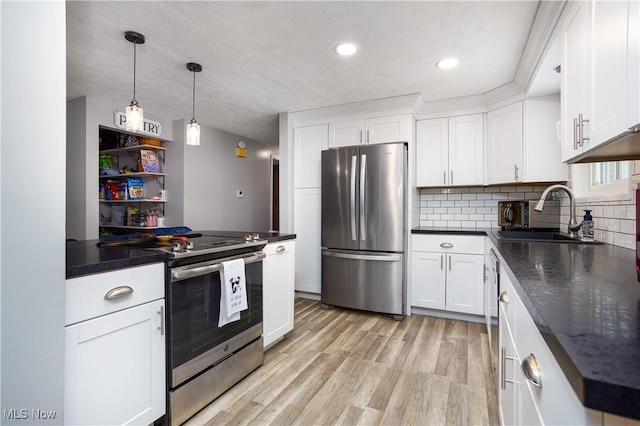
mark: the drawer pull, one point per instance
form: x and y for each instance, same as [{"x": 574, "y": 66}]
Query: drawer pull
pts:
[
  {"x": 280, "y": 249},
  {"x": 504, "y": 297},
  {"x": 118, "y": 292},
  {"x": 503, "y": 362},
  {"x": 161, "y": 326},
  {"x": 446, "y": 245},
  {"x": 531, "y": 371}
]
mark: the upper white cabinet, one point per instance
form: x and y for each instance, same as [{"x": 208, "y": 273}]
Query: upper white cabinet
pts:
[
  {"x": 599, "y": 73},
  {"x": 449, "y": 151},
  {"x": 395, "y": 128},
  {"x": 522, "y": 142},
  {"x": 308, "y": 143},
  {"x": 504, "y": 144}
]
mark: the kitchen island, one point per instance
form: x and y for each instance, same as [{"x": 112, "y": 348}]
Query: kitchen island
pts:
[{"x": 585, "y": 301}]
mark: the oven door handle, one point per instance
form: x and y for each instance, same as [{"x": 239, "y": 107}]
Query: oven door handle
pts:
[{"x": 203, "y": 270}]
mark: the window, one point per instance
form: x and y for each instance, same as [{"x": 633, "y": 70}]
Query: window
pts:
[{"x": 609, "y": 172}]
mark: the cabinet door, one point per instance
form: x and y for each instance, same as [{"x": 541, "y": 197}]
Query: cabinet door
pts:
[
  {"x": 432, "y": 156},
  {"x": 506, "y": 372},
  {"x": 115, "y": 368},
  {"x": 346, "y": 134},
  {"x": 542, "y": 149},
  {"x": 428, "y": 279},
  {"x": 308, "y": 143},
  {"x": 306, "y": 226},
  {"x": 608, "y": 61},
  {"x": 575, "y": 73},
  {"x": 466, "y": 151},
  {"x": 504, "y": 144},
  {"x": 278, "y": 292},
  {"x": 464, "y": 283},
  {"x": 395, "y": 128}
]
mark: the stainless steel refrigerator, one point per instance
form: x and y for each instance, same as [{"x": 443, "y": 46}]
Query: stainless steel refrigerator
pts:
[{"x": 363, "y": 227}]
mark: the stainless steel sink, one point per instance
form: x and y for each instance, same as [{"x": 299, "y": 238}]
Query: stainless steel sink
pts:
[{"x": 546, "y": 236}]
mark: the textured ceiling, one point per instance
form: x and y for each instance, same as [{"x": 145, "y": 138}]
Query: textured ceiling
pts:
[{"x": 263, "y": 58}]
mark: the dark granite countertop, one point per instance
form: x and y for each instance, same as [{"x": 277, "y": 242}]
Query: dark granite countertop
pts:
[
  {"x": 85, "y": 258},
  {"x": 451, "y": 231},
  {"x": 585, "y": 301}
]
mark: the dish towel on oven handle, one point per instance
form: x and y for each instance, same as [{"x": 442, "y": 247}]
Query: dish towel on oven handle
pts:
[{"x": 233, "y": 291}]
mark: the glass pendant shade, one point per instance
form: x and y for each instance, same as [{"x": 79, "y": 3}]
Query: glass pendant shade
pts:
[
  {"x": 135, "y": 117},
  {"x": 193, "y": 133}
]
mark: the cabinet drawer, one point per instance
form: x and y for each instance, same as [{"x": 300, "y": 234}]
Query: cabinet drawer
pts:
[
  {"x": 85, "y": 296},
  {"x": 278, "y": 247},
  {"x": 459, "y": 243},
  {"x": 556, "y": 400}
]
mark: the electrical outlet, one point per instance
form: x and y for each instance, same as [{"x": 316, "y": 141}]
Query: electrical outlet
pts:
[{"x": 239, "y": 193}]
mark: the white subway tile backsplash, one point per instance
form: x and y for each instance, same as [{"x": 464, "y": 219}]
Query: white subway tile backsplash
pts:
[
  {"x": 476, "y": 203},
  {"x": 476, "y": 217},
  {"x": 447, "y": 203},
  {"x": 454, "y": 197},
  {"x": 484, "y": 196},
  {"x": 468, "y": 210},
  {"x": 454, "y": 210},
  {"x": 469, "y": 196},
  {"x": 485, "y": 224},
  {"x": 454, "y": 224},
  {"x": 461, "y": 203},
  {"x": 440, "y": 197},
  {"x": 440, "y": 210},
  {"x": 503, "y": 196},
  {"x": 483, "y": 210},
  {"x": 627, "y": 226},
  {"x": 476, "y": 189}
]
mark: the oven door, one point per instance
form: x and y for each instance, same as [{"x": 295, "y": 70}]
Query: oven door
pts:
[{"x": 196, "y": 342}]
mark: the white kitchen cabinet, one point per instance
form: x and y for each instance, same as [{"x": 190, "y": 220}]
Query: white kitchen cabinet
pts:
[
  {"x": 446, "y": 273},
  {"x": 394, "y": 128},
  {"x": 278, "y": 290},
  {"x": 115, "y": 348},
  {"x": 521, "y": 402},
  {"x": 306, "y": 226},
  {"x": 599, "y": 73},
  {"x": 541, "y": 145},
  {"x": 504, "y": 144},
  {"x": 449, "y": 151},
  {"x": 308, "y": 143}
]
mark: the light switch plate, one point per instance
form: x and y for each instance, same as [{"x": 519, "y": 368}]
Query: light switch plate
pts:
[{"x": 239, "y": 193}]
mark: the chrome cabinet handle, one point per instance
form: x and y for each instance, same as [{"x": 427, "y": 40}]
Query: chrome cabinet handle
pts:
[
  {"x": 515, "y": 171},
  {"x": 575, "y": 133},
  {"x": 360, "y": 137},
  {"x": 581, "y": 137},
  {"x": 503, "y": 363},
  {"x": 161, "y": 326},
  {"x": 451, "y": 180},
  {"x": 485, "y": 269},
  {"x": 441, "y": 260},
  {"x": 531, "y": 371},
  {"x": 444, "y": 177},
  {"x": 368, "y": 140},
  {"x": 449, "y": 262},
  {"x": 118, "y": 292},
  {"x": 280, "y": 249},
  {"x": 446, "y": 245},
  {"x": 504, "y": 297}
]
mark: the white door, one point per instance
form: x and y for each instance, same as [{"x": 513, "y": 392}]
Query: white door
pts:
[
  {"x": 465, "y": 290},
  {"x": 504, "y": 144},
  {"x": 428, "y": 279},
  {"x": 308, "y": 143},
  {"x": 346, "y": 134},
  {"x": 466, "y": 150},
  {"x": 395, "y": 128},
  {"x": 432, "y": 155},
  {"x": 575, "y": 74},
  {"x": 115, "y": 368},
  {"x": 306, "y": 226},
  {"x": 278, "y": 290}
]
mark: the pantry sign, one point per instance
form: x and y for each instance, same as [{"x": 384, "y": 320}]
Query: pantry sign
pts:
[{"x": 151, "y": 128}]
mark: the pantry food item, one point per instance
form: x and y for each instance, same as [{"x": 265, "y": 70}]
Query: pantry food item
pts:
[
  {"x": 150, "y": 162},
  {"x": 150, "y": 141},
  {"x": 136, "y": 188}
]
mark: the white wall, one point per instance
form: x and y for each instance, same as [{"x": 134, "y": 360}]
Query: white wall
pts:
[
  {"x": 211, "y": 173},
  {"x": 32, "y": 188}
]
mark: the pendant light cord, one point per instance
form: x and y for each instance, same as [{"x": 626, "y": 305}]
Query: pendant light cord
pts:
[
  {"x": 193, "y": 111},
  {"x": 134, "y": 71}
]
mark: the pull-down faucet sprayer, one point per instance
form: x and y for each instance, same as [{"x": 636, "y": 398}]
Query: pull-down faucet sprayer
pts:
[{"x": 573, "y": 225}]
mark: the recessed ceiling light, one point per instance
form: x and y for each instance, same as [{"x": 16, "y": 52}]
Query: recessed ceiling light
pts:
[
  {"x": 447, "y": 63},
  {"x": 346, "y": 49}
]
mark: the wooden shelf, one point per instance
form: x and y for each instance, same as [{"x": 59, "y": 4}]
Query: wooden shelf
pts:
[
  {"x": 132, "y": 148},
  {"x": 145, "y": 200},
  {"x": 129, "y": 227},
  {"x": 124, "y": 175}
]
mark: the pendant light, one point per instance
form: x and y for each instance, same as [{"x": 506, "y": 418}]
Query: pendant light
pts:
[
  {"x": 134, "y": 114},
  {"x": 193, "y": 128}
]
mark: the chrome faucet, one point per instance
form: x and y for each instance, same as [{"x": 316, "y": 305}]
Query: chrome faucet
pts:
[{"x": 573, "y": 225}]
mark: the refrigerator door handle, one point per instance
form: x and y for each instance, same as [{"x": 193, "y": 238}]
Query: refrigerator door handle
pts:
[
  {"x": 379, "y": 258},
  {"x": 363, "y": 170},
  {"x": 354, "y": 230}
]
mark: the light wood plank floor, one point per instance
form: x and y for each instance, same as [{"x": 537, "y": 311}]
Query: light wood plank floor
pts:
[{"x": 344, "y": 367}]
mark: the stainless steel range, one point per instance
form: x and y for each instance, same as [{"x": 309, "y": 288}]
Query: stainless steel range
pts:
[{"x": 203, "y": 359}]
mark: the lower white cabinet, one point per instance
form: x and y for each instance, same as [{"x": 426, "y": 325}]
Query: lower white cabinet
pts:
[
  {"x": 521, "y": 402},
  {"x": 447, "y": 272},
  {"x": 115, "y": 360},
  {"x": 278, "y": 290}
]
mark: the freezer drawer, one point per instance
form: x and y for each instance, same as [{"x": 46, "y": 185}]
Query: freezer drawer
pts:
[{"x": 363, "y": 280}]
